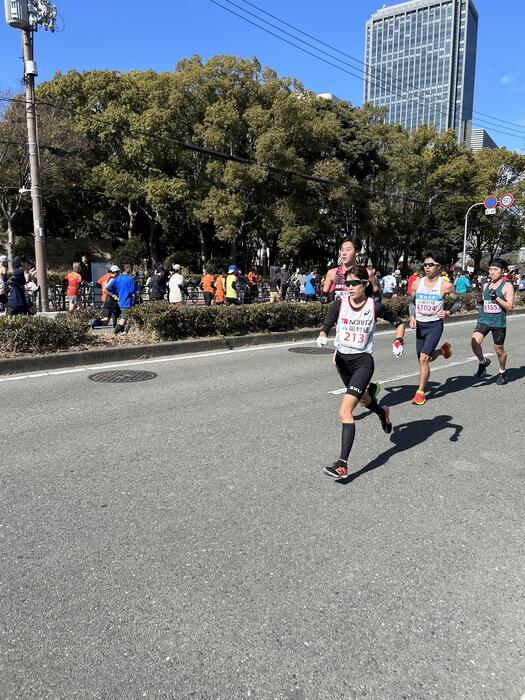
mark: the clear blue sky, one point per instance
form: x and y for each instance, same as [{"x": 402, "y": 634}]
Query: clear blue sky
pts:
[{"x": 125, "y": 35}]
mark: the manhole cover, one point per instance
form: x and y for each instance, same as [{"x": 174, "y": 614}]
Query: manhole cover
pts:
[
  {"x": 311, "y": 351},
  {"x": 122, "y": 376}
]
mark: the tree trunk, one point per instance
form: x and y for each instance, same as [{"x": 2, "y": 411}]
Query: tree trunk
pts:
[
  {"x": 10, "y": 246},
  {"x": 233, "y": 249},
  {"x": 476, "y": 256},
  {"x": 153, "y": 239},
  {"x": 202, "y": 247},
  {"x": 132, "y": 217}
]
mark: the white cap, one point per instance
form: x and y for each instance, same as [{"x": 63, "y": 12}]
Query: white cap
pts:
[
  {"x": 3, "y": 258},
  {"x": 114, "y": 268},
  {"x": 397, "y": 272},
  {"x": 176, "y": 267}
]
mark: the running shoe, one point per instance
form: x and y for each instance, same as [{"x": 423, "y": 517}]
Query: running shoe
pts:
[
  {"x": 386, "y": 423},
  {"x": 446, "y": 349},
  {"x": 419, "y": 398},
  {"x": 482, "y": 368},
  {"x": 374, "y": 389},
  {"x": 338, "y": 470},
  {"x": 502, "y": 378}
]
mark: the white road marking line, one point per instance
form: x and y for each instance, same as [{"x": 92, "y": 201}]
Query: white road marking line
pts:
[
  {"x": 416, "y": 374},
  {"x": 155, "y": 360},
  {"x": 197, "y": 355}
]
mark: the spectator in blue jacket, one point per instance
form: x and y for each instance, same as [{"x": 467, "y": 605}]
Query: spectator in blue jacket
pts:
[
  {"x": 462, "y": 283},
  {"x": 310, "y": 286},
  {"x": 123, "y": 289}
]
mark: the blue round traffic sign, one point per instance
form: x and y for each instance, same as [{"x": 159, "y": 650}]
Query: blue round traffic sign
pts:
[{"x": 491, "y": 202}]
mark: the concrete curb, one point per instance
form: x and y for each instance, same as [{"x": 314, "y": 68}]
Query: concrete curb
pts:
[{"x": 43, "y": 363}]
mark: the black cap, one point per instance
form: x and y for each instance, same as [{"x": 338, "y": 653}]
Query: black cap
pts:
[{"x": 19, "y": 260}]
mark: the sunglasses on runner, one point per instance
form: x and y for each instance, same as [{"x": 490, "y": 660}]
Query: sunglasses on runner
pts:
[
  {"x": 354, "y": 283},
  {"x": 432, "y": 264}
]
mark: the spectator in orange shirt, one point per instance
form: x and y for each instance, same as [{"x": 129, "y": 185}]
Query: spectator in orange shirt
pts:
[
  {"x": 207, "y": 285},
  {"x": 73, "y": 280},
  {"x": 103, "y": 281},
  {"x": 219, "y": 289},
  {"x": 413, "y": 277},
  {"x": 110, "y": 308},
  {"x": 253, "y": 280}
]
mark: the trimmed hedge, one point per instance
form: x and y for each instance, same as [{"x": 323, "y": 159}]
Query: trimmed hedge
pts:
[
  {"x": 34, "y": 334},
  {"x": 179, "y": 322}
]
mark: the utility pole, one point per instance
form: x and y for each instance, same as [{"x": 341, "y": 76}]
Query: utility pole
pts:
[
  {"x": 26, "y": 15},
  {"x": 34, "y": 165}
]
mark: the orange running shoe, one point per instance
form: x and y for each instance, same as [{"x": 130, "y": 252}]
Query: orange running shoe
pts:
[
  {"x": 419, "y": 398},
  {"x": 446, "y": 349},
  {"x": 338, "y": 470}
]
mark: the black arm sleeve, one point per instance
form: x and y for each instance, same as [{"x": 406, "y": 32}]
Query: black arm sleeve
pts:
[
  {"x": 382, "y": 311},
  {"x": 456, "y": 306},
  {"x": 331, "y": 316}
]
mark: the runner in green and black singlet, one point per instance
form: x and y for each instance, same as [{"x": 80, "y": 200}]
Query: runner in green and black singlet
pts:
[{"x": 497, "y": 301}]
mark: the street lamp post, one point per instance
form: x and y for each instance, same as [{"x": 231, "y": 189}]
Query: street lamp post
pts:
[{"x": 464, "y": 259}]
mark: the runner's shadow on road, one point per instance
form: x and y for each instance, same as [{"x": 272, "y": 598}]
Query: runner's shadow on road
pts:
[
  {"x": 395, "y": 395},
  {"x": 515, "y": 373},
  {"x": 405, "y": 437},
  {"x": 459, "y": 383}
]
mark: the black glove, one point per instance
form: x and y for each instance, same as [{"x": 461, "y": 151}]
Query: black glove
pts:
[{"x": 493, "y": 295}]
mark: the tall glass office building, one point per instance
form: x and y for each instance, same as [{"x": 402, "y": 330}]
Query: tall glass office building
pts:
[{"x": 421, "y": 61}]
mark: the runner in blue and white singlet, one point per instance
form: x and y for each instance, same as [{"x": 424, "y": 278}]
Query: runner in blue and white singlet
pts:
[
  {"x": 429, "y": 302},
  {"x": 427, "y": 311}
]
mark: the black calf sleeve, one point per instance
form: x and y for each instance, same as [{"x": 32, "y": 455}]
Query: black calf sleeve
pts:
[{"x": 347, "y": 440}]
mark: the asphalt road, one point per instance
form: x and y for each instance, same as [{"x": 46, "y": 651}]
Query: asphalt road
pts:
[{"x": 176, "y": 538}]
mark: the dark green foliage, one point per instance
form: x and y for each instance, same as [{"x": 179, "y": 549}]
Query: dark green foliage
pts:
[
  {"x": 399, "y": 304},
  {"x": 179, "y": 322},
  {"x": 38, "y": 334},
  {"x": 133, "y": 251}
]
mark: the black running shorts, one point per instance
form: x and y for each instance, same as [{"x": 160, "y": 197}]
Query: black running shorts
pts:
[
  {"x": 356, "y": 371},
  {"x": 110, "y": 307},
  {"x": 498, "y": 334},
  {"x": 428, "y": 336}
]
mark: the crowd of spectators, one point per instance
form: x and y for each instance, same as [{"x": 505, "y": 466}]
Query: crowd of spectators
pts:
[{"x": 230, "y": 286}]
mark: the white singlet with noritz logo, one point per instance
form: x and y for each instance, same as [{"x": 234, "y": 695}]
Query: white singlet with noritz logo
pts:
[
  {"x": 355, "y": 327},
  {"x": 429, "y": 301}
]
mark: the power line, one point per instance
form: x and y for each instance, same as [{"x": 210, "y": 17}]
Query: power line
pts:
[
  {"x": 54, "y": 150},
  {"x": 431, "y": 105},
  {"x": 416, "y": 101},
  {"x": 248, "y": 161},
  {"x": 357, "y": 60}
]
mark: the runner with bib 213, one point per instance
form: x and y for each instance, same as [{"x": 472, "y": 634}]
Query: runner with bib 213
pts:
[
  {"x": 498, "y": 300},
  {"x": 354, "y": 315},
  {"x": 427, "y": 311}
]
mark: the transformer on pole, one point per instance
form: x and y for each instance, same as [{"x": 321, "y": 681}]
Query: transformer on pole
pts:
[
  {"x": 17, "y": 14},
  {"x": 26, "y": 15}
]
